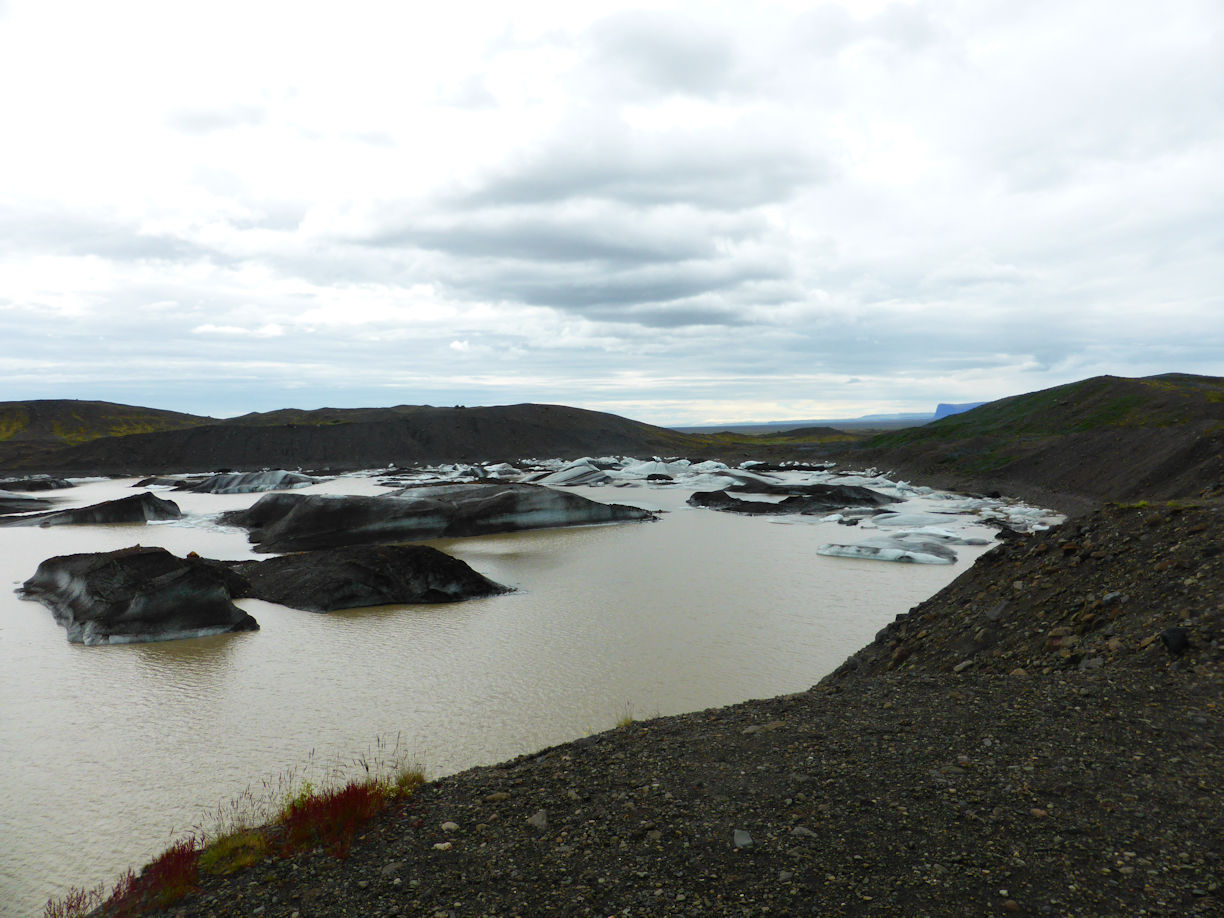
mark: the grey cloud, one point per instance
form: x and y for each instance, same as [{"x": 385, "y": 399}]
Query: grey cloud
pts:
[
  {"x": 208, "y": 120},
  {"x": 535, "y": 238},
  {"x": 613, "y": 296},
  {"x": 608, "y": 234},
  {"x": 471, "y": 94},
  {"x": 728, "y": 170},
  {"x": 61, "y": 232},
  {"x": 650, "y": 53},
  {"x": 830, "y": 29}
]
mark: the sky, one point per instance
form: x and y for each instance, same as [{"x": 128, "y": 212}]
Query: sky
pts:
[{"x": 683, "y": 213}]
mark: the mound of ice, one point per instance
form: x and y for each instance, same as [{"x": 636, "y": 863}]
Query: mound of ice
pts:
[
  {"x": 582, "y": 472},
  {"x": 934, "y": 533},
  {"x": 910, "y": 551}
]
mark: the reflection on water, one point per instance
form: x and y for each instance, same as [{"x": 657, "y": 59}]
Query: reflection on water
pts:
[{"x": 109, "y": 750}]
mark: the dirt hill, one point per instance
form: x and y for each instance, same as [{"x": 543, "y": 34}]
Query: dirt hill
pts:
[
  {"x": 1106, "y": 438},
  {"x": 35, "y": 428},
  {"x": 363, "y": 438}
]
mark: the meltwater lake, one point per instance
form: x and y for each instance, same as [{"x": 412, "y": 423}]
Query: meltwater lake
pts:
[{"x": 109, "y": 752}]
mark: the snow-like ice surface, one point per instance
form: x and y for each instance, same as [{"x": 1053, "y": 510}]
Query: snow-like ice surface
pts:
[
  {"x": 918, "y": 530},
  {"x": 906, "y": 550}
]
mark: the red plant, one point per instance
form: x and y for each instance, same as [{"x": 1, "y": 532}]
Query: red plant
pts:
[
  {"x": 163, "y": 882},
  {"x": 331, "y": 818},
  {"x": 75, "y": 903}
]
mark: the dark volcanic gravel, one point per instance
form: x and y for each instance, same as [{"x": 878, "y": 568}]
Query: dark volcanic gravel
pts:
[{"x": 1047, "y": 776}]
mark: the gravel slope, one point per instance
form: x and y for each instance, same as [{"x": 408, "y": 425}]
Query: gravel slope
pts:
[{"x": 1073, "y": 767}]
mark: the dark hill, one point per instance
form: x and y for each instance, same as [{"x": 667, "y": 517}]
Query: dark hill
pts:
[
  {"x": 1105, "y": 438},
  {"x": 365, "y": 438},
  {"x": 40, "y": 426}
]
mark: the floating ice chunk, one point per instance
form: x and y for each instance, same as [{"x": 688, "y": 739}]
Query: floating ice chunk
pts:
[
  {"x": 501, "y": 470},
  {"x": 892, "y": 549},
  {"x": 940, "y": 535},
  {"x": 582, "y": 472},
  {"x": 635, "y": 469},
  {"x": 909, "y": 520}
]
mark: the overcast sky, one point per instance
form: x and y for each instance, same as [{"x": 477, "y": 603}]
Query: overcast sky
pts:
[{"x": 679, "y": 212}]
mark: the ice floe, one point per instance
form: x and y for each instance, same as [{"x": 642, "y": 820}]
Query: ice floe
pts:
[{"x": 913, "y": 551}]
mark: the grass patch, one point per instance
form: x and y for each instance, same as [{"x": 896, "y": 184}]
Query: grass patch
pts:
[{"x": 233, "y": 853}]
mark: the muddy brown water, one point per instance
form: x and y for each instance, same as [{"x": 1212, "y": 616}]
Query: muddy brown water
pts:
[{"x": 109, "y": 752}]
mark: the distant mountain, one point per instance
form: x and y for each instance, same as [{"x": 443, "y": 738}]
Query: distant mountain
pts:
[
  {"x": 944, "y": 410},
  {"x": 350, "y": 439},
  {"x": 1103, "y": 438}
]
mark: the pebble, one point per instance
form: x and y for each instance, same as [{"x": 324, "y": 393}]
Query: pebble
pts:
[
  {"x": 497, "y": 797},
  {"x": 741, "y": 838},
  {"x": 539, "y": 819},
  {"x": 443, "y": 846},
  {"x": 450, "y": 827}
]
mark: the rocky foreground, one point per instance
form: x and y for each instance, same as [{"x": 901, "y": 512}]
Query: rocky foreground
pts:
[{"x": 1045, "y": 736}]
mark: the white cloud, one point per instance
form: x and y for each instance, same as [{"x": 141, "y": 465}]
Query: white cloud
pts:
[{"x": 684, "y": 213}]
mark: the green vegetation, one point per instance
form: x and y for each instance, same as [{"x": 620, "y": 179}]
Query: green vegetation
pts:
[
  {"x": 233, "y": 853},
  {"x": 1080, "y": 407},
  {"x": 12, "y": 422}
]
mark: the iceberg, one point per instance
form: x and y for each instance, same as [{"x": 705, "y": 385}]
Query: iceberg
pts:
[
  {"x": 892, "y": 549},
  {"x": 582, "y": 472}
]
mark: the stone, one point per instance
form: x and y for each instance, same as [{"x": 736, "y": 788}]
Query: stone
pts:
[
  {"x": 538, "y": 819},
  {"x": 450, "y": 827},
  {"x": 1176, "y": 641},
  {"x": 741, "y": 838}
]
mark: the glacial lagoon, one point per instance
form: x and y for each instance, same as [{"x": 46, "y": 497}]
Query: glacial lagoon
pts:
[{"x": 109, "y": 752}]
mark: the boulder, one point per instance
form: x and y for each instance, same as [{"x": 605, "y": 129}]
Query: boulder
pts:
[
  {"x": 363, "y": 575},
  {"x": 137, "y": 594},
  {"x": 248, "y": 482},
  {"x": 138, "y": 508},
  {"x": 289, "y": 522}
]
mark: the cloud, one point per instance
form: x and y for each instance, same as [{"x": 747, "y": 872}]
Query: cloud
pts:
[
  {"x": 209, "y": 120},
  {"x": 730, "y": 168},
  {"x": 675, "y": 211},
  {"x": 647, "y": 53}
]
